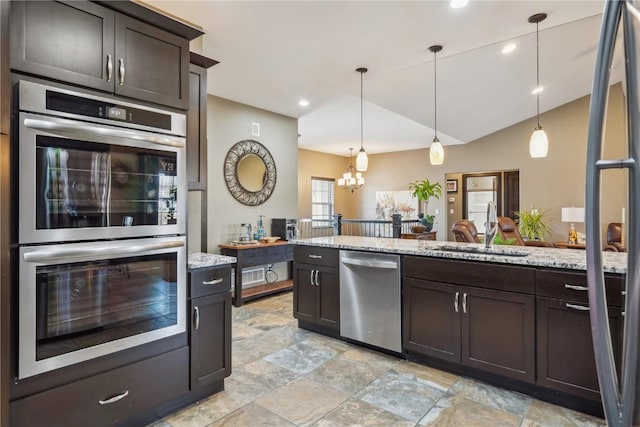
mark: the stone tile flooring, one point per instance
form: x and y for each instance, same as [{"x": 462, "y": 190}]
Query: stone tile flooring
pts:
[{"x": 285, "y": 376}]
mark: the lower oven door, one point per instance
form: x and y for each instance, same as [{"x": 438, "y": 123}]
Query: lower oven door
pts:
[{"x": 80, "y": 301}]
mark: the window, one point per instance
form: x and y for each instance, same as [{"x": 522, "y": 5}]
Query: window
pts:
[{"x": 322, "y": 201}]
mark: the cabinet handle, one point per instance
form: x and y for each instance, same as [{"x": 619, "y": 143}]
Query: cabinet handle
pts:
[
  {"x": 115, "y": 398},
  {"x": 315, "y": 256},
  {"x": 464, "y": 302},
  {"x": 316, "y": 276},
  {"x": 196, "y": 320},
  {"x": 109, "y": 67},
  {"x": 311, "y": 277},
  {"x": 576, "y": 307},
  {"x": 455, "y": 302},
  {"x": 576, "y": 287},
  {"x": 121, "y": 70},
  {"x": 212, "y": 282}
]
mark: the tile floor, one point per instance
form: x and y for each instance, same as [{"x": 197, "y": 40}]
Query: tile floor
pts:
[{"x": 285, "y": 376}]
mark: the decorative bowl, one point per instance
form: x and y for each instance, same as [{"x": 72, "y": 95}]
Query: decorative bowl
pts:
[{"x": 270, "y": 239}]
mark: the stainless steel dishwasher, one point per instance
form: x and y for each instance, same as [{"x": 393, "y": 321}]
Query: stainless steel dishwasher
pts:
[{"x": 370, "y": 299}]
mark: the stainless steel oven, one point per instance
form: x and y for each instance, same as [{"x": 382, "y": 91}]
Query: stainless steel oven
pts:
[
  {"x": 98, "y": 168},
  {"x": 79, "y": 301}
]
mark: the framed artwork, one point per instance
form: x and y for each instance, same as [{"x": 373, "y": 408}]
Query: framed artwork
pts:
[
  {"x": 391, "y": 202},
  {"x": 452, "y": 186}
]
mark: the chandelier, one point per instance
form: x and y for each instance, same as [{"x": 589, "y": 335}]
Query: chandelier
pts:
[{"x": 351, "y": 180}]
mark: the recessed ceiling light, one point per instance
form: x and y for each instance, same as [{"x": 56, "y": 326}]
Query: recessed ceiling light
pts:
[
  {"x": 457, "y": 4},
  {"x": 508, "y": 48},
  {"x": 537, "y": 90},
  {"x": 303, "y": 103}
]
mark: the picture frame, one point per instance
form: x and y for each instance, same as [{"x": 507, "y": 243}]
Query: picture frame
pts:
[{"x": 452, "y": 186}]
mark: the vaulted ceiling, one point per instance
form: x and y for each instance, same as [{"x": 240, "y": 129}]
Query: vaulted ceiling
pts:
[{"x": 272, "y": 54}]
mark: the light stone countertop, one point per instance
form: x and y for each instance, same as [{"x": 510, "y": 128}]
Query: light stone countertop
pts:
[
  {"x": 202, "y": 260},
  {"x": 613, "y": 262}
]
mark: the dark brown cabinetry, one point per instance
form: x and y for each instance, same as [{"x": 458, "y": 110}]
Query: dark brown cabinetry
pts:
[
  {"x": 476, "y": 326},
  {"x": 316, "y": 286},
  {"x": 89, "y": 45},
  {"x": 210, "y": 330},
  {"x": 565, "y": 360},
  {"x": 108, "y": 398}
]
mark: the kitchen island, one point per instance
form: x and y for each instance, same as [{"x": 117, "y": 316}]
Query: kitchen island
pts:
[{"x": 514, "y": 316}]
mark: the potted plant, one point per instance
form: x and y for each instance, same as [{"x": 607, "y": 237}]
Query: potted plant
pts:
[
  {"x": 533, "y": 224},
  {"x": 423, "y": 190}
]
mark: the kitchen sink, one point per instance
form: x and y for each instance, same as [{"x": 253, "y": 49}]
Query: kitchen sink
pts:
[{"x": 482, "y": 250}]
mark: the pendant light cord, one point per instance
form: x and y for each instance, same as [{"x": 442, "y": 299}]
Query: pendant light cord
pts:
[
  {"x": 537, "y": 75},
  {"x": 361, "y": 110},
  {"x": 435, "y": 96}
]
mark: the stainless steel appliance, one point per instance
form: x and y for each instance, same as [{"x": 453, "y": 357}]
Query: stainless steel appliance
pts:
[
  {"x": 370, "y": 299},
  {"x": 79, "y": 301},
  {"x": 102, "y": 207},
  {"x": 285, "y": 228},
  {"x": 620, "y": 397},
  {"x": 98, "y": 168}
]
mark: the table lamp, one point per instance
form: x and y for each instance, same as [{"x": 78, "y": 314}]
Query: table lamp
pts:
[{"x": 573, "y": 215}]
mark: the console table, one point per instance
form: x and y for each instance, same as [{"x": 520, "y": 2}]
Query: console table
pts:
[
  {"x": 256, "y": 255},
  {"x": 427, "y": 235}
]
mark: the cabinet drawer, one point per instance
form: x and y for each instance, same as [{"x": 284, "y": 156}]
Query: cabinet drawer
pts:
[
  {"x": 315, "y": 255},
  {"x": 573, "y": 286},
  {"x": 208, "y": 281},
  {"x": 148, "y": 383},
  {"x": 477, "y": 274}
]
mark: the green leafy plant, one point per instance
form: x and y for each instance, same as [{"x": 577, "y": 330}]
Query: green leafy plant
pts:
[
  {"x": 423, "y": 190},
  {"x": 498, "y": 240},
  {"x": 533, "y": 224}
]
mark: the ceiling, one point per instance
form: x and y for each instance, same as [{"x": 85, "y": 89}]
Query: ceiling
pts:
[{"x": 272, "y": 54}]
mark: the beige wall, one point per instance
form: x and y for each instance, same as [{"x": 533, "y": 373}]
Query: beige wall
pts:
[
  {"x": 548, "y": 184},
  {"x": 322, "y": 165},
  {"x": 229, "y": 122}
]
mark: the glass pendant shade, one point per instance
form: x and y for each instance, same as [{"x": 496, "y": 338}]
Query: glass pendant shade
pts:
[
  {"x": 362, "y": 160},
  {"x": 539, "y": 143},
  {"x": 436, "y": 152}
]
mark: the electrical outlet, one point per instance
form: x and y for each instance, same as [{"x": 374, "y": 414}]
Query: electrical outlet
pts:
[{"x": 255, "y": 129}]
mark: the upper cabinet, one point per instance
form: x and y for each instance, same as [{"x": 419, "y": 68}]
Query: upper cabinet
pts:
[{"x": 89, "y": 45}]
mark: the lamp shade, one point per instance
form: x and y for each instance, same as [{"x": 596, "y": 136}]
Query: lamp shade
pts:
[
  {"x": 572, "y": 214},
  {"x": 436, "y": 153},
  {"x": 362, "y": 161},
  {"x": 539, "y": 144}
]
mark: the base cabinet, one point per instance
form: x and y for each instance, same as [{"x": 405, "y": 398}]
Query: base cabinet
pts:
[
  {"x": 210, "y": 339},
  {"x": 482, "y": 328},
  {"x": 316, "y": 286},
  {"x": 108, "y": 398}
]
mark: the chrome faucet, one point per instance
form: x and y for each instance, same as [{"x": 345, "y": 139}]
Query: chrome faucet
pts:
[{"x": 491, "y": 226}]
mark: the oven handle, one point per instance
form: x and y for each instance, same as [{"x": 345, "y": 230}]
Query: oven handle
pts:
[
  {"x": 86, "y": 129},
  {"x": 96, "y": 249}
]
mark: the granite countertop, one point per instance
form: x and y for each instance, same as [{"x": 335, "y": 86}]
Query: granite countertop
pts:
[
  {"x": 613, "y": 262},
  {"x": 202, "y": 260}
]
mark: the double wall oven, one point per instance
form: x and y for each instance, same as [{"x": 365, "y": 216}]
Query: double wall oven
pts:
[{"x": 102, "y": 218}]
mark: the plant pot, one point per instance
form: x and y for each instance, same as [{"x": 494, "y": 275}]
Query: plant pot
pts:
[
  {"x": 426, "y": 221},
  {"x": 418, "y": 229}
]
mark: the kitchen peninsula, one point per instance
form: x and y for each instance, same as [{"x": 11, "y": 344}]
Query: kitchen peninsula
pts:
[{"x": 517, "y": 317}]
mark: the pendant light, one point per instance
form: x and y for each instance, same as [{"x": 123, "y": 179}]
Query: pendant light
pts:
[
  {"x": 436, "y": 152},
  {"x": 539, "y": 143},
  {"x": 362, "y": 161}
]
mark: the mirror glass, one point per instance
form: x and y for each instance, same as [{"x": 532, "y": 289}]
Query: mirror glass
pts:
[{"x": 252, "y": 172}]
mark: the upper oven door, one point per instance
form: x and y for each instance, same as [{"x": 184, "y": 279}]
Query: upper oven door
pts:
[{"x": 87, "y": 181}]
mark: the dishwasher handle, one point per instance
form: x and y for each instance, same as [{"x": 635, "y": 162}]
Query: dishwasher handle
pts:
[{"x": 391, "y": 265}]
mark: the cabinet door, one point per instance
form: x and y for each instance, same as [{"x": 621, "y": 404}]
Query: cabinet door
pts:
[
  {"x": 328, "y": 297},
  {"x": 498, "y": 332},
  {"x": 210, "y": 339},
  {"x": 151, "y": 64},
  {"x": 431, "y": 323},
  {"x": 565, "y": 349},
  {"x": 197, "y": 129},
  {"x": 68, "y": 41},
  {"x": 304, "y": 293}
]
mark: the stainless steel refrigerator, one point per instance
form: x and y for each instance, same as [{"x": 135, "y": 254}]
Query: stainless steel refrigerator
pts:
[{"x": 621, "y": 395}]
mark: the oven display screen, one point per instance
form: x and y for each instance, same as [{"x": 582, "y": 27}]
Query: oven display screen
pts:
[{"x": 117, "y": 113}]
